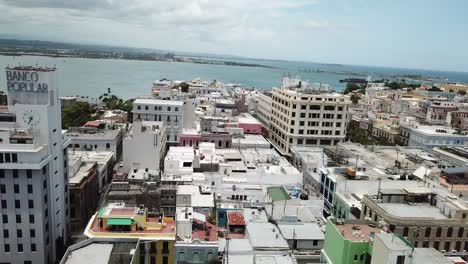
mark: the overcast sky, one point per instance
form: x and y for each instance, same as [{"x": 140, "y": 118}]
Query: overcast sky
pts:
[{"x": 427, "y": 34}]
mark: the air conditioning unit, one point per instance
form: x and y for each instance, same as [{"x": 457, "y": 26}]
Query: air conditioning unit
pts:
[{"x": 443, "y": 251}]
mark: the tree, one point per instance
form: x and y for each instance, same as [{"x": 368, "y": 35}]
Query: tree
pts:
[
  {"x": 354, "y": 98},
  {"x": 435, "y": 89},
  {"x": 77, "y": 114},
  {"x": 184, "y": 87},
  {"x": 451, "y": 90},
  {"x": 461, "y": 92},
  {"x": 350, "y": 87}
]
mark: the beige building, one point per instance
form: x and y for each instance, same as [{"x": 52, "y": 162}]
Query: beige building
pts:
[
  {"x": 264, "y": 108},
  {"x": 455, "y": 87},
  {"x": 426, "y": 217},
  {"x": 306, "y": 117}
]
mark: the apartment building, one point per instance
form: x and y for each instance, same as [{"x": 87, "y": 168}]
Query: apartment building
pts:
[
  {"x": 307, "y": 118},
  {"x": 34, "y": 193},
  {"x": 264, "y": 108},
  {"x": 426, "y": 217},
  {"x": 170, "y": 113}
]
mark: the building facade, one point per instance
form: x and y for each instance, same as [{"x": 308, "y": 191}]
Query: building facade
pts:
[
  {"x": 264, "y": 108},
  {"x": 33, "y": 170},
  {"x": 144, "y": 145},
  {"x": 305, "y": 118},
  {"x": 170, "y": 113}
]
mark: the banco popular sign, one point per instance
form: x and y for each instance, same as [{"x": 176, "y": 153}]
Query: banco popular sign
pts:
[{"x": 25, "y": 81}]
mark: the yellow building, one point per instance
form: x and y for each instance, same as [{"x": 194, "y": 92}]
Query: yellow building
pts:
[
  {"x": 156, "y": 232},
  {"x": 455, "y": 87}
]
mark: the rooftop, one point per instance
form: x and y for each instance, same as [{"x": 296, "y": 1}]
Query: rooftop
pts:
[
  {"x": 235, "y": 218},
  {"x": 246, "y": 118},
  {"x": 413, "y": 210},
  {"x": 356, "y": 232},
  {"x": 130, "y": 222},
  {"x": 83, "y": 171},
  {"x": 302, "y": 231},
  {"x": 31, "y": 68},
  {"x": 96, "y": 134},
  {"x": 429, "y": 255},
  {"x": 101, "y": 251},
  {"x": 277, "y": 193},
  {"x": 157, "y": 102},
  {"x": 264, "y": 236}
]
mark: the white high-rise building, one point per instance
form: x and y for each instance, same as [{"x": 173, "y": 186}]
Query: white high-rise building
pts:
[{"x": 33, "y": 176}]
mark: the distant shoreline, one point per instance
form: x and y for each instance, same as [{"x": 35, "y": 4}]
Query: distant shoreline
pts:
[{"x": 144, "y": 57}]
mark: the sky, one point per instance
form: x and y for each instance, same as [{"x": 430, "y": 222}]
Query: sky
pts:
[{"x": 424, "y": 34}]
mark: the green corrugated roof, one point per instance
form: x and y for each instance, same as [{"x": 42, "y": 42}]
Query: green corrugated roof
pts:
[
  {"x": 101, "y": 212},
  {"x": 277, "y": 193},
  {"x": 119, "y": 221}
]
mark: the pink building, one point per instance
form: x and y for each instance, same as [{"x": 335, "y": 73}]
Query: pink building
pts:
[
  {"x": 190, "y": 138},
  {"x": 250, "y": 124}
]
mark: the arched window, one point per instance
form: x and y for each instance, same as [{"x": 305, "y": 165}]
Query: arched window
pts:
[
  {"x": 77, "y": 145},
  {"x": 196, "y": 257},
  {"x": 181, "y": 256},
  {"x": 210, "y": 256},
  {"x": 107, "y": 146}
]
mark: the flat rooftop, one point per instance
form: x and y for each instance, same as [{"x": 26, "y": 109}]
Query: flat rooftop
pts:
[
  {"x": 83, "y": 172},
  {"x": 99, "y": 134},
  {"x": 266, "y": 236},
  {"x": 246, "y": 118},
  {"x": 356, "y": 232},
  {"x": 413, "y": 211},
  {"x": 157, "y": 102},
  {"x": 302, "y": 231},
  {"x": 429, "y": 255}
]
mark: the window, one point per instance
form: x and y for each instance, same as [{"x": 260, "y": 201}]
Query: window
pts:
[
  {"x": 30, "y": 188},
  {"x": 15, "y": 173},
  {"x": 18, "y": 219},
  {"x": 152, "y": 247},
  {"x": 32, "y": 233},
  {"x": 168, "y": 108},
  {"x": 17, "y": 204},
  {"x": 152, "y": 260},
  {"x": 196, "y": 257},
  {"x": 165, "y": 260},
  {"x": 2, "y": 172},
  {"x": 460, "y": 232},
  {"x": 447, "y": 246},
  {"x": 30, "y": 204},
  {"x": 4, "y": 204},
  {"x": 7, "y": 157},
  {"x": 107, "y": 146},
  {"x": 176, "y": 109},
  {"x": 405, "y": 231},
  {"x": 437, "y": 245},
  {"x": 20, "y": 247},
  {"x": 6, "y": 247},
  {"x": 33, "y": 247},
  {"x": 400, "y": 260},
  {"x": 29, "y": 174},
  {"x": 428, "y": 232},
  {"x": 355, "y": 257},
  {"x": 16, "y": 188},
  {"x": 165, "y": 249},
  {"x": 6, "y": 234},
  {"x": 449, "y": 232},
  {"x": 139, "y": 107},
  {"x": 19, "y": 233},
  {"x": 2, "y": 188},
  {"x": 5, "y": 219},
  {"x": 439, "y": 232}
]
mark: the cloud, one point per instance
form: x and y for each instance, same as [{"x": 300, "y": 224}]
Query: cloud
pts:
[{"x": 313, "y": 24}]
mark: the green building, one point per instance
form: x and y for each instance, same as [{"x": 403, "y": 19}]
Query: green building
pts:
[
  {"x": 346, "y": 206},
  {"x": 348, "y": 242}
]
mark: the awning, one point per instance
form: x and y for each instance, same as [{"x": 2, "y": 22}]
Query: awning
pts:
[
  {"x": 102, "y": 212},
  {"x": 119, "y": 221}
]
